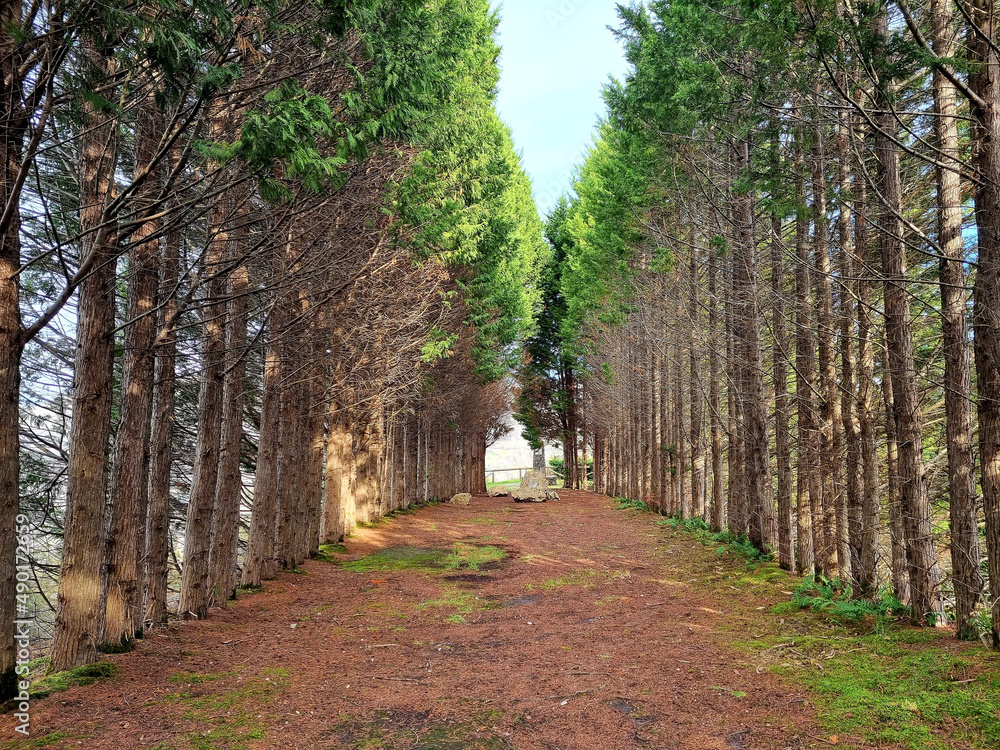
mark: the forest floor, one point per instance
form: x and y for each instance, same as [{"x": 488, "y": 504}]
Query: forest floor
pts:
[{"x": 565, "y": 626}]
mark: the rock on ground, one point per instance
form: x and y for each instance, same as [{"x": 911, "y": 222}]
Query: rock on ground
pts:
[
  {"x": 534, "y": 488},
  {"x": 462, "y": 498}
]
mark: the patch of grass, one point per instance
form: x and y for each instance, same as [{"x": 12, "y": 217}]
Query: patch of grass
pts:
[
  {"x": 462, "y": 602},
  {"x": 485, "y": 520},
  {"x": 473, "y": 556},
  {"x": 46, "y": 740},
  {"x": 85, "y": 675},
  {"x": 232, "y": 717},
  {"x": 585, "y": 577},
  {"x": 461, "y": 556},
  {"x": 875, "y": 681},
  {"x": 398, "y": 558},
  {"x": 398, "y": 729}
]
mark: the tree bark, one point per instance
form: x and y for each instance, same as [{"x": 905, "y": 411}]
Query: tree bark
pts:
[
  {"x": 718, "y": 511},
  {"x": 697, "y": 436},
  {"x": 985, "y": 82},
  {"x": 195, "y": 593},
  {"x": 761, "y": 516},
  {"x": 222, "y": 558},
  {"x": 866, "y": 574},
  {"x": 11, "y": 343},
  {"x": 959, "y": 426},
  {"x": 125, "y": 544},
  {"x": 782, "y": 440},
  {"x": 161, "y": 439},
  {"x": 805, "y": 358},
  {"x": 921, "y": 557},
  {"x": 260, "y": 563},
  {"x": 78, "y": 617},
  {"x": 834, "y": 557}
]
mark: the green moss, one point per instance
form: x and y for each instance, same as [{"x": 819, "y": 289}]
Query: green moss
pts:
[
  {"x": 427, "y": 560},
  {"x": 124, "y": 646},
  {"x": 398, "y": 558},
  {"x": 327, "y": 552},
  {"x": 193, "y": 678},
  {"x": 85, "y": 675},
  {"x": 473, "y": 556},
  {"x": 46, "y": 740},
  {"x": 886, "y": 691},
  {"x": 232, "y": 715}
]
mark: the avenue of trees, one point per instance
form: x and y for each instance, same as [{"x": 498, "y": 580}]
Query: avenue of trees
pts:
[
  {"x": 775, "y": 290},
  {"x": 264, "y": 269}
]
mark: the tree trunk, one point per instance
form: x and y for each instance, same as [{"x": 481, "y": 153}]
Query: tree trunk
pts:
[
  {"x": 11, "y": 343},
  {"x": 782, "y": 440},
  {"x": 761, "y": 517},
  {"x": 866, "y": 574},
  {"x": 834, "y": 555},
  {"x": 697, "y": 435},
  {"x": 718, "y": 501},
  {"x": 921, "y": 557},
  {"x": 985, "y": 81},
  {"x": 195, "y": 593},
  {"x": 222, "y": 558},
  {"x": 130, "y": 464},
  {"x": 805, "y": 368},
  {"x": 260, "y": 563},
  {"x": 78, "y": 616},
  {"x": 161, "y": 438},
  {"x": 960, "y": 425},
  {"x": 897, "y": 535}
]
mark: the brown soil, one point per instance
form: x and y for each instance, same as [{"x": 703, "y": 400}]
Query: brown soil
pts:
[{"x": 589, "y": 634}]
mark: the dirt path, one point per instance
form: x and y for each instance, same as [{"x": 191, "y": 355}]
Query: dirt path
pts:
[{"x": 588, "y": 634}]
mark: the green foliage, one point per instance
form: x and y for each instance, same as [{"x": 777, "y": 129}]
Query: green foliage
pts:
[
  {"x": 438, "y": 345},
  {"x": 835, "y": 599},
  {"x": 737, "y": 544},
  {"x": 85, "y": 675},
  {"x": 686, "y": 524},
  {"x": 465, "y": 200},
  {"x": 626, "y": 503}
]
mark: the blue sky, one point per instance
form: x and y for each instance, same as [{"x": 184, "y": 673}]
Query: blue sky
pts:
[{"x": 556, "y": 56}]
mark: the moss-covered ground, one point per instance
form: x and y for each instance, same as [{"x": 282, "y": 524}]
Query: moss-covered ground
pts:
[{"x": 875, "y": 680}]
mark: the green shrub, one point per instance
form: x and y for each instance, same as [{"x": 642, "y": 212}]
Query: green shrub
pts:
[
  {"x": 836, "y": 600},
  {"x": 626, "y": 503}
]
